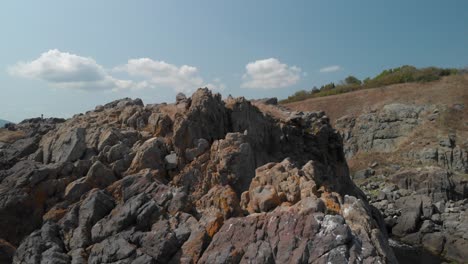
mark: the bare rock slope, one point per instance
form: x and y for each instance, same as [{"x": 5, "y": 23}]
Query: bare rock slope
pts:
[{"x": 203, "y": 180}]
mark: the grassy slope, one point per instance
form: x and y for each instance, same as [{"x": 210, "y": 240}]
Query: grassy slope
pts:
[
  {"x": 445, "y": 93},
  {"x": 448, "y": 91}
]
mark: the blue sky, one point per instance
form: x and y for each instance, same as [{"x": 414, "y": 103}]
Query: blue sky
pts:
[{"x": 59, "y": 58}]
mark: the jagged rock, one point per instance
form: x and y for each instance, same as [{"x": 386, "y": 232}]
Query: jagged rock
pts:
[
  {"x": 433, "y": 182},
  {"x": 180, "y": 97},
  {"x": 232, "y": 160},
  {"x": 221, "y": 199},
  {"x": 150, "y": 155},
  {"x": 121, "y": 217},
  {"x": 69, "y": 146},
  {"x": 434, "y": 242},
  {"x": 42, "y": 246},
  {"x": 93, "y": 208},
  {"x": 456, "y": 249},
  {"x": 199, "y": 181},
  {"x": 108, "y": 138},
  {"x": 111, "y": 250},
  {"x": 160, "y": 124},
  {"x": 380, "y": 131},
  {"x": 201, "y": 145},
  {"x": 206, "y": 118},
  {"x": 312, "y": 237},
  {"x": 410, "y": 218},
  {"x": 26, "y": 192},
  {"x": 99, "y": 176}
]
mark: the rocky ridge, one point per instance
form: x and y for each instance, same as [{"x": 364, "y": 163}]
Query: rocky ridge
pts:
[{"x": 203, "y": 180}]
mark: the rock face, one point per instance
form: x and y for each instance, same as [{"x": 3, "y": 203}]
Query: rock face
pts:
[
  {"x": 415, "y": 172},
  {"x": 199, "y": 181},
  {"x": 379, "y": 131},
  {"x": 385, "y": 130}
]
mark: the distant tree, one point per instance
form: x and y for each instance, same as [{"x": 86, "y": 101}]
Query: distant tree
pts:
[
  {"x": 327, "y": 87},
  {"x": 403, "y": 74},
  {"x": 351, "y": 80},
  {"x": 366, "y": 80}
]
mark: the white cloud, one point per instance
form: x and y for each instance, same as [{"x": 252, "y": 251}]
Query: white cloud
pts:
[
  {"x": 216, "y": 85},
  {"x": 332, "y": 68},
  {"x": 270, "y": 73},
  {"x": 66, "y": 70},
  {"x": 162, "y": 74}
]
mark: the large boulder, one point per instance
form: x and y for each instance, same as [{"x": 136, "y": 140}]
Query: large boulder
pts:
[{"x": 69, "y": 145}]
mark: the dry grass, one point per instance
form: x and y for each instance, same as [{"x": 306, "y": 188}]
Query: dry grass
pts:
[
  {"x": 448, "y": 91},
  {"x": 7, "y": 136}
]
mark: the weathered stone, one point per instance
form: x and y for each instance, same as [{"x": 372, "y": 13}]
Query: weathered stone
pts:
[
  {"x": 69, "y": 146},
  {"x": 112, "y": 250},
  {"x": 42, "y": 246},
  {"x": 200, "y": 181},
  {"x": 409, "y": 220},
  {"x": 456, "y": 249},
  {"x": 434, "y": 242},
  {"x": 171, "y": 161},
  {"x": 149, "y": 155}
]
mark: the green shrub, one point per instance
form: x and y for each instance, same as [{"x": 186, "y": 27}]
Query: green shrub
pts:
[{"x": 403, "y": 74}]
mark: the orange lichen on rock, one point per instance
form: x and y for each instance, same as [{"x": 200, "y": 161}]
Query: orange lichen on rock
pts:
[
  {"x": 213, "y": 226},
  {"x": 331, "y": 202},
  {"x": 54, "y": 214}
]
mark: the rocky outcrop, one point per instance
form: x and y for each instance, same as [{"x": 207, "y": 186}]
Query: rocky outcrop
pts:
[
  {"x": 199, "y": 181},
  {"x": 379, "y": 130},
  {"x": 425, "y": 208},
  {"x": 417, "y": 162},
  {"x": 388, "y": 130}
]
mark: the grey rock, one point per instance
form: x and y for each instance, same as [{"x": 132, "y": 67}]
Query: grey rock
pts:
[
  {"x": 409, "y": 220},
  {"x": 42, "y": 246},
  {"x": 201, "y": 145},
  {"x": 380, "y": 131},
  {"x": 456, "y": 249},
  {"x": 112, "y": 250},
  {"x": 149, "y": 155},
  {"x": 100, "y": 176},
  {"x": 364, "y": 174},
  {"x": 161, "y": 242},
  {"x": 180, "y": 97},
  {"x": 269, "y": 101},
  {"x": 120, "y": 218},
  {"x": 434, "y": 242},
  {"x": 69, "y": 146},
  {"x": 171, "y": 161},
  {"x": 93, "y": 208}
]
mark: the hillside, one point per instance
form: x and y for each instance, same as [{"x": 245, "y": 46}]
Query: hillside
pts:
[
  {"x": 404, "y": 74},
  {"x": 407, "y": 148},
  {"x": 447, "y": 91}
]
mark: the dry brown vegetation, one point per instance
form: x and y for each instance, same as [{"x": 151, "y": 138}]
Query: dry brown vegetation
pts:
[
  {"x": 8, "y": 136},
  {"x": 447, "y": 91}
]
